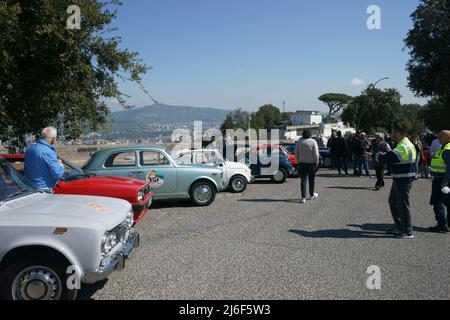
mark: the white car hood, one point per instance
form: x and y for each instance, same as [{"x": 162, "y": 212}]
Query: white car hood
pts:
[
  {"x": 64, "y": 211},
  {"x": 237, "y": 165}
]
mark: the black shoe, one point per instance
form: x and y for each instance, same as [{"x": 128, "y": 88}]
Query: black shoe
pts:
[
  {"x": 439, "y": 229},
  {"x": 377, "y": 188},
  {"x": 404, "y": 236}
]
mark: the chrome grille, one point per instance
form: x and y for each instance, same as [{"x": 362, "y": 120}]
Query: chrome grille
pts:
[{"x": 122, "y": 232}]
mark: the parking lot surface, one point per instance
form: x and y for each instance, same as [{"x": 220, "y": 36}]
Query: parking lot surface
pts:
[{"x": 264, "y": 245}]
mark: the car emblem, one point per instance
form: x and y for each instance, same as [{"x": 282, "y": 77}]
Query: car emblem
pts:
[
  {"x": 155, "y": 180},
  {"x": 97, "y": 207}
]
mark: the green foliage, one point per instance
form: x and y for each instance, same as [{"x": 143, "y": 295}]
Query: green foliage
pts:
[
  {"x": 266, "y": 117},
  {"x": 237, "y": 119},
  {"x": 429, "y": 45},
  {"x": 436, "y": 115},
  {"x": 335, "y": 101},
  {"x": 50, "y": 75},
  {"x": 374, "y": 109}
]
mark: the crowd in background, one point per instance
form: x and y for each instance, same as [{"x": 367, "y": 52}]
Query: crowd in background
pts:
[{"x": 360, "y": 150}]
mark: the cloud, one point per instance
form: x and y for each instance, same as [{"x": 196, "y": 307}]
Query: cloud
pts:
[{"x": 356, "y": 82}]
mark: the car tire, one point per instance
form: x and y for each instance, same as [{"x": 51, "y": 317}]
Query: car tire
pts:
[
  {"x": 327, "y": 162},
  {"x": 280, "y": 176},
  {"x": 296, "y": 172},
  {"x": 46, "y": 272},
  {"x": 202, "y": 193},
  {"x": 238, "y": 184}
]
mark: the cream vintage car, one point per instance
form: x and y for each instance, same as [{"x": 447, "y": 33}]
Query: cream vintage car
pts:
[
  {"x": 236, "y": 175},
  {"x": 51, "y": 244}
]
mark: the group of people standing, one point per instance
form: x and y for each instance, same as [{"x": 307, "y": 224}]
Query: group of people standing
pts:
[{"x": 403, "y": 156}]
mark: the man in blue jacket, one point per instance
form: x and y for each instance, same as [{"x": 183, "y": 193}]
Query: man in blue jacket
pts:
[{"x": 42, "y": 166}]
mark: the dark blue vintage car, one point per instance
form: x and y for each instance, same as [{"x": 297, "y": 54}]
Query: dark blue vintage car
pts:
[{"x": 265, "y": 162}]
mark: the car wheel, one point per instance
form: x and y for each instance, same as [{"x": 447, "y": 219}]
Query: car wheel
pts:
[
  {"x": 295, "y": 172},
  {"x": 238, "y": 184},
  {"x": 327, "y": 162},
  {"x": 280, "y": 176},
  {"x": 36, "y": 278},
  {"x": 202, "y": 193}
]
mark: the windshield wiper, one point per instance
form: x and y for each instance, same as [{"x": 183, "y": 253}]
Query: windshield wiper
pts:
[{"x": 17, "y": 193}]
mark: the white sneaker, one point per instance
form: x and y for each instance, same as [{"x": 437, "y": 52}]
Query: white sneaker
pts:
[
  {"x": 302, "y": 201},
  {"x": 314, "y": 197}
]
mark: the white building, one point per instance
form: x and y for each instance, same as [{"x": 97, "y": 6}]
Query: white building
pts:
[
  {"x": 328, "y": 128},
  {"x": 302, "y": 118}
]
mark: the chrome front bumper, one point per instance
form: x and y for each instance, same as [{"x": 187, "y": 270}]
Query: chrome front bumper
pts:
[{"x": 116, "y": 263}]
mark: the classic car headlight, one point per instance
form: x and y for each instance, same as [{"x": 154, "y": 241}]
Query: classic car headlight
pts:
[
  {"x": 109, "y": 241},
  {"x": 140, "y": 196},
  {"x": 130, "y": 219}
]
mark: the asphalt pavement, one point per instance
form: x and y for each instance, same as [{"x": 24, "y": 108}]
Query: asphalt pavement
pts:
[{"x": 264, "y": 244}]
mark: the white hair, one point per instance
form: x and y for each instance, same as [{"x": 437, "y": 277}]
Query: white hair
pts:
[{"x": 49, "y": 133}]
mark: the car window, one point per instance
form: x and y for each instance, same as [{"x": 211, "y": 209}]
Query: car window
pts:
[
  {"x": 185, "y": 158},
  {"x": 201, "y": 158},
  {"x": 153, "y": 158},
  {"x": 121, "y": 159}
]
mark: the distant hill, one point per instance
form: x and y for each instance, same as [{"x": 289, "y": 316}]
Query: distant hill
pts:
[
  {"x": 159, "y": 121},
  {"x": 166, "y": 114}
]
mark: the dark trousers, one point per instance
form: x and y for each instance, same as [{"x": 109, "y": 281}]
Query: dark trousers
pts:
[
  {"x": 379, "y": 170},
  {"x": 340, "y": 163},
  {"x": 307, "y": 174},
  {"x": 439, "y": 201},
  {"x": 400, "y": 205}
]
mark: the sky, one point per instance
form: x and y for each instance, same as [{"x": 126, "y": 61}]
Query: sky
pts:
[{"x": 245, "y": 53}]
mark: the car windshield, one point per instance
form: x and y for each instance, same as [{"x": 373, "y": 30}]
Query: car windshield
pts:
[
  {"x": 71, "y": 171},
  {"x": 12, "y": 183}
]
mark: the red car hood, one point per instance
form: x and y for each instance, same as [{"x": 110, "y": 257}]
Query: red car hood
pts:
[{"x": 116, "y": 187}]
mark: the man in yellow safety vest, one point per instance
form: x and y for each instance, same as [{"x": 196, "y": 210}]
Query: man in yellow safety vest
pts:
[
  {"x": 404, "y": 168},
  {"x": 440, "y": 191}
]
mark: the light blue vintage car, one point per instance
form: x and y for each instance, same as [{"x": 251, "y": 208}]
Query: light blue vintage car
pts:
[{"x": 154, "y": 164}]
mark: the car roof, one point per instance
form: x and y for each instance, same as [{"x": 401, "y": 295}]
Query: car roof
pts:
[
  {"x": 130, "y": 148},
  {"x": 12, "y": 156}
]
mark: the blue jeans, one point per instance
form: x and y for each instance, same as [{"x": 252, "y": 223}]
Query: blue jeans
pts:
[
  {"x": 439, "y": 201},
  {"x": 361, "y": 163},
  {"x": 400, "y": 205}
]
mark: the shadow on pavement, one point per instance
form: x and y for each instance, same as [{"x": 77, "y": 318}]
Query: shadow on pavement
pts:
[
  {"x": 164, "y": 204},
  {"x": 342, "y": 234},
  {"x": 351, "y": 188},
  {"x": 89, "y": 290},
  {"x": 270, "y": 200},
  {"x": 381, "y": 227}
]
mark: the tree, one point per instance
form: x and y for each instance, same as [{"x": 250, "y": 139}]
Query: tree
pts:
[
  {"x": 237, "y": 119},
  {"x": 50, "y": 75},
  {"x": 373, "y": 109},
  {"x": 266, "y": 117},
  {"x": 335, "y": 101},
  {"x": 412, "y": 115},
  {"x": 435, "y": 115},
  {"x": 429, "y": 69}
]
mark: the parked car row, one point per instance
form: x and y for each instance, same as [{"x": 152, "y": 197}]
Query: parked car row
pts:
[{"x": 85, "y": 227}]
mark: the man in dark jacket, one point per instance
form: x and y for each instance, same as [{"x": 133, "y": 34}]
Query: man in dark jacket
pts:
[{"x": 339, "y": 151}]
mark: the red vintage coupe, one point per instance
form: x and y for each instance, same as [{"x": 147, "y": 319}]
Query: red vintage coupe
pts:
[{"x": 75, "y": 181}]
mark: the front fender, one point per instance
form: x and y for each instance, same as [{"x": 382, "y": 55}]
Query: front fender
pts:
[
  {"x": 77, "y": 247},
  {"x": 215, "y": 183}
]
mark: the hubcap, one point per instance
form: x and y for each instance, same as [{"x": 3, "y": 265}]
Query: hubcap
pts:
[
  {"x": 278, "y": 176},
  {"x": 203, "y": 193},
  {"x": 37, "y": 283},
  {"x": 238, "y": 184}
]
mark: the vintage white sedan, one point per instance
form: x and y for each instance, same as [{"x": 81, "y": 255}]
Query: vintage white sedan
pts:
[
  {"x": 236, "y": 175},
  {"x": 51, "y": 244}
]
